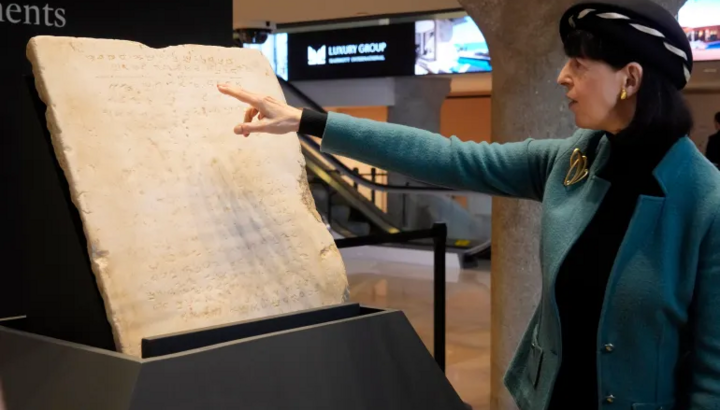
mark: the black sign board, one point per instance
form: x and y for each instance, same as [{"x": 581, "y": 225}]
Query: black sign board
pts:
[
  {"x": 380, "y": 51},
  {"x": 45, "y": 264}
]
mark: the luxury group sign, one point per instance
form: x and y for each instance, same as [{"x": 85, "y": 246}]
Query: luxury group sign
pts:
[
  {"x": 352, "y": 53},
  {"x": 187, "y": 224},
  {"x": 378, "y": 51}
]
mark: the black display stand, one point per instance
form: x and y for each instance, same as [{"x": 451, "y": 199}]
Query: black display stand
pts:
[{"x": 343, "y": 357}]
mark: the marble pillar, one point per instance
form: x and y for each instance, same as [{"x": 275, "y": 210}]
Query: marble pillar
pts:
[
  {"x": 418, "y": 101},
  {"x": 527, "y": 55}
]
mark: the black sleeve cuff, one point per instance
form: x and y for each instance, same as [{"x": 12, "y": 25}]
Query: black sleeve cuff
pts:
[{"x": 312, "y": 123}]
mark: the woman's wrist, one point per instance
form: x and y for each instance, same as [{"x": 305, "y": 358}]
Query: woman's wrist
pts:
[
  {"x": 296, "y": 119},
  {"x": 312, "y": 123}
]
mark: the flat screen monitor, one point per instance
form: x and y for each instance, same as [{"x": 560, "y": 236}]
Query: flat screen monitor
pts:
[
  {"x": 450, "y": 46},
  {"x": 701, "y": 21}
]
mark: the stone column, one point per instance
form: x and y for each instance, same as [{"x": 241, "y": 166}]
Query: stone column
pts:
[
  {"x": 418, "y": 101},
  {"x": 527, "y": 55}
]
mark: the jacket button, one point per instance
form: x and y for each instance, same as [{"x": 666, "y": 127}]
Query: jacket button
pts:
[
  {"x": 610, "y": 399},
  {"x": 609, "y": 347}
]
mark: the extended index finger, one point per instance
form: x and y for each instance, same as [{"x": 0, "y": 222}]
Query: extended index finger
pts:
[{"x": 241, "y": 94}]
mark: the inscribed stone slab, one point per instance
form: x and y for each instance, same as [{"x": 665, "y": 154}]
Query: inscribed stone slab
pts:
[{"x": 188, "y": 225}]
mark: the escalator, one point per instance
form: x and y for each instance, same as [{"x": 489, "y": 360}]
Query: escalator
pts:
[{"x": 348, "y": 213}]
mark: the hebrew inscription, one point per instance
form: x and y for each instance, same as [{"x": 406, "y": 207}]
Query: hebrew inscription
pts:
[{"x": 188, "y": 225}]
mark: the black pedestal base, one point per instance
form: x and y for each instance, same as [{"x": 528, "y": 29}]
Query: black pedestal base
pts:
[{"x": 369, "y": 360}]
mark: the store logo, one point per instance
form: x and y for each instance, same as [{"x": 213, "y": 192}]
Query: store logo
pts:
[{"x": 317, "y": 57}]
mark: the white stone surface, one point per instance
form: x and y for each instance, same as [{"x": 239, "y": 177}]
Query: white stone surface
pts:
[{"x": 188, "y": 225}]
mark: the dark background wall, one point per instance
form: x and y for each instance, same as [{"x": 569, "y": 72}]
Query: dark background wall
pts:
[{"x": 41, "y": 245}]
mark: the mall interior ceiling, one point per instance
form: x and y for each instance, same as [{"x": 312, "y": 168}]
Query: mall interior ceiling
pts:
[{"x": 307, "y": 11}]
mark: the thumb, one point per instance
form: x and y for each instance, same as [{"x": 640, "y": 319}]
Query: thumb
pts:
[{"x": 248, "y": 128}]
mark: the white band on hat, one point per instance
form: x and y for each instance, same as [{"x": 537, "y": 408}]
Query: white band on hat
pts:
[
  {"x": 676, "y": 50},
  {"x": 613, "y": 16},
  {"x": 585, "y": 13},
  {"x": 648, "y": 30}
]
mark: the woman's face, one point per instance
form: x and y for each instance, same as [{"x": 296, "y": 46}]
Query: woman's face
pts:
[{"x": 593, "y": 88}]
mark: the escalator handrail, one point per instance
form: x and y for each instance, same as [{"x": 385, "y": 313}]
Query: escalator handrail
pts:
[{"x": 346, "y": 171}]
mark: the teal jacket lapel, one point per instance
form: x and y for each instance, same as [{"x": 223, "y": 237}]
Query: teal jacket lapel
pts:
[
  {"x": 670, "y": 167},
  {"x": 642, "y": 225},
  {"x": 649, "y": 208}
]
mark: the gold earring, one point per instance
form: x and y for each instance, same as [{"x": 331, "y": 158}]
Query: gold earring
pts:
[{"x": 623, "y": 94}]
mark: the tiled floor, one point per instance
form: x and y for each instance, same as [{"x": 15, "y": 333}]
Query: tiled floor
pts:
[{"x": 409, "y": 288}]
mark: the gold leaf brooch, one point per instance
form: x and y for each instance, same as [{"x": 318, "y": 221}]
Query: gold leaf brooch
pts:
[{"x": 578, "y": 168}]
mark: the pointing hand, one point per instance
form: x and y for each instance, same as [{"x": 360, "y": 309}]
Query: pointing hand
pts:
[{"x": 273, "y": 116}]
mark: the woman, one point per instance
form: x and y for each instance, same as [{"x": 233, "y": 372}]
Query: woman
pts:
[{"x": 630, "y": 309}]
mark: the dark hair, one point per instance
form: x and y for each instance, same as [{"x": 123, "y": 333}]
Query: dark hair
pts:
[
  {"x": 661, "y": 108},
  {"x": 717, "y": 117}
]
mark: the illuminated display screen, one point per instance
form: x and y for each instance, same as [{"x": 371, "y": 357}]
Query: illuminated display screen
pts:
[
  {"x": 275, "y": 49},
  {"x": 701, "y": 21},
  {"x": 451, "y": 46}
]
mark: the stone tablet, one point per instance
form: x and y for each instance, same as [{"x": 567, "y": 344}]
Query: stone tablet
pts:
[{"x": 188, "y": 225}]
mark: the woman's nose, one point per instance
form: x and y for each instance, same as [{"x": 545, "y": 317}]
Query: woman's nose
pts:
[{"x": 563, "y": 78}]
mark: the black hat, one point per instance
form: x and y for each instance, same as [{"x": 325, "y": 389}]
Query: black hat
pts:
[{"x": 645, "y": 29}]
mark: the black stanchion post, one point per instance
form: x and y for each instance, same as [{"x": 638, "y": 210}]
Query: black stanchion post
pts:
[
  {"x": 372, "y": 178},
  {"x": 439, "y": 240},
  {"x": 439, "y": 235}
]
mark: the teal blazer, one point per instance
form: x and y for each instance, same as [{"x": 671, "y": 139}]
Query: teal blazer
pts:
[{"x": 665, "y": 282}]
